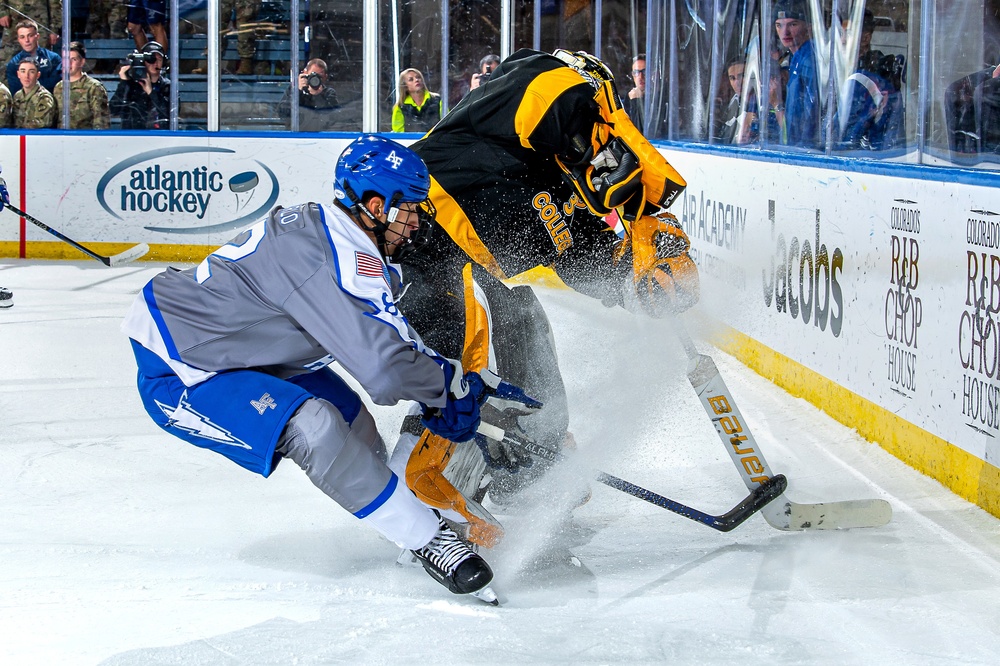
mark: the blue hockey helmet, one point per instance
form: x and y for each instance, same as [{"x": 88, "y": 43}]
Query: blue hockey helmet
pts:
[{"x": 372, "y": 164}]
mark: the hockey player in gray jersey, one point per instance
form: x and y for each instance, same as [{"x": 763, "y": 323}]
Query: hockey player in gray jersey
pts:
[{"x": 233, "y": 354}]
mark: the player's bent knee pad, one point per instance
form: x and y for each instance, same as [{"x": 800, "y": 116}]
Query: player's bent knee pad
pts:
[{"x": 344, "y": 461}]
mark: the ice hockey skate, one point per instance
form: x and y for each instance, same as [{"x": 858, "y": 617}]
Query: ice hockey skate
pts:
[
  {"x": 451, "y": 562},
  {"x": 6, "y": 298}
]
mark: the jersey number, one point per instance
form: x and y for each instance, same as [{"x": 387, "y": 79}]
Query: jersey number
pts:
[{"x": 232, "y": 252}]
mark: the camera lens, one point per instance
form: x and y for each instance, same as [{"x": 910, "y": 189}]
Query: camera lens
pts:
[
  {"x": 137, "y": 66},
  {"x": 314, "y": 81}
]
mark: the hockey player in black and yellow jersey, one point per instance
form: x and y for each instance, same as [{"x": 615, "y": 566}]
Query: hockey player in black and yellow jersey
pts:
[{"x": 523, "y": 172}]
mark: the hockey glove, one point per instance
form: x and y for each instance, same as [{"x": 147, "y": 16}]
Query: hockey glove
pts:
[
  {"x": 506, "y": 396},
  {"x": 503, "y": 454},
  {"x": 605, "y": 179},
  {"x": 665, "y": 279},
  {"x": 458, "y": 419}
]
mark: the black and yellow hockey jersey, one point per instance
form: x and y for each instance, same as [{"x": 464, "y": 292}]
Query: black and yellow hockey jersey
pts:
[{"x": 499, "y": 193}]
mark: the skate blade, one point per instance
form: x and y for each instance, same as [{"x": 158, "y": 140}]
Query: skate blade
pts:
[
  {"x": 407, "y": 559},
  {"x": 486, "y": 594}
]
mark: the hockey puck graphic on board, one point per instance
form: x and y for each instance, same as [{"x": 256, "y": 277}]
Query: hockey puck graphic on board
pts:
[{"x": 243, "y": 182}]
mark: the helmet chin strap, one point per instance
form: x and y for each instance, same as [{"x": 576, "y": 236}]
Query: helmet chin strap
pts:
[{"x": 377, "y": 227}]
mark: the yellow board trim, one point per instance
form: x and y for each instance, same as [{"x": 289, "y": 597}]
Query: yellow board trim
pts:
[
  {"x": 60, "y": 250},
  {"x": 966, "y": 475}
]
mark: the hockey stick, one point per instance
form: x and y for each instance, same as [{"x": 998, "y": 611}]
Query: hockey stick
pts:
[
  {"x": 749, "y": 460},
  {"x": 119, "y": 259},
  {"x": 759, "y": 496}
]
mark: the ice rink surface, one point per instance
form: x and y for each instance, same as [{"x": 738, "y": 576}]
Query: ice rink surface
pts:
[{"x": 122, "y": 545}]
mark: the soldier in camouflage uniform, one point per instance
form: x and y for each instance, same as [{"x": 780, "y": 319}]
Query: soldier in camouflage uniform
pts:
[
  {"x": 6, "y": 107},
  {"x": 244, "y": 22},
  {"x": 107, "y": 19},
  {"x": 46, "y": 13},
  {"x": 88, "y": 98},
  {"x": 34, "y": 106}
]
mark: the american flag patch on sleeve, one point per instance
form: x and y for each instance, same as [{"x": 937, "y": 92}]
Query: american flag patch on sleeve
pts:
[{"x": 369, "y": 266}]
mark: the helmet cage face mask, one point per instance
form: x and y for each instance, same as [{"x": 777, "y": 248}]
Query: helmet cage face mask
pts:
[
  {"x": 418, "y": 238},
  {"x": 373, "y": 165}
]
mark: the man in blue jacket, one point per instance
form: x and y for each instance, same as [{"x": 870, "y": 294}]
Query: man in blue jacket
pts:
[
  {"x": 802, "y": 106},
  {"x": 49, "y": 62}
]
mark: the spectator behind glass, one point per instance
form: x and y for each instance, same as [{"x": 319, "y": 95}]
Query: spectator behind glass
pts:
[
  {"x": 417, "y": 109},
  {"x": 317, "y": 101},
  {"x": 244, "y": 19},
  {"x": 728, "y": 116},
  {"x": 486, "y": 67},
  {"x": 802, "y": 107},
  {"x": 6, "y": 107},
  {"x": 88, "y": 99},
  {"x": 634, "y": 100},
  {"x": 34, "y": 106},
  {"x": 151, "y": 14},
  {"x": 143, "y": 97},
  {"x": 737, "y": 122},
  {"x": 874, "y": 106},
  {"x": 48, "y": 62},
  {"x": 46, "y": 14}
]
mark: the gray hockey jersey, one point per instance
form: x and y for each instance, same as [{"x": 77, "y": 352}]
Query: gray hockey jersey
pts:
[{"x": 301, "y": 288}]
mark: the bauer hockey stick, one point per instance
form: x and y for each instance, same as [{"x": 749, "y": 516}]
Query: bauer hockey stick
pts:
[
  {"x": 119, "y": 259},
  {"x": 745, "y": 452},
  {"x": 759, "y": 496}
]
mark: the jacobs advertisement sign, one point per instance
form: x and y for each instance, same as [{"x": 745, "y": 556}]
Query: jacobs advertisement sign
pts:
[{"x": 888, "y": 287}]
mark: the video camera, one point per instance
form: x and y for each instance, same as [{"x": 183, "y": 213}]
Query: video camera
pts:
[{"x": 137, "y": 62}]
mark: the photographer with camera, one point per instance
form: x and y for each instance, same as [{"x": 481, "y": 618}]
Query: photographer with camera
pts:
[
  {"x": 317, "y": 101},
  {"x": 486, "y": 67},
  {"x": 143, "y": 95}
]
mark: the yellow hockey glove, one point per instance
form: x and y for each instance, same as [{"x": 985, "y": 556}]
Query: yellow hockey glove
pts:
[{"x": 664, "y": 276}]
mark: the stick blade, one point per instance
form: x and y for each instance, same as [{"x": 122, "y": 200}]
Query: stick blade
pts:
[
  {"x": 793, "y": 517},
  {"x": 128, "y": 256}
]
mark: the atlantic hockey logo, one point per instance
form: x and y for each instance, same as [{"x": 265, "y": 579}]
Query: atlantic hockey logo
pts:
[
  {"x": 184, "y": 417},
  {"x": 177, "y": 190}
]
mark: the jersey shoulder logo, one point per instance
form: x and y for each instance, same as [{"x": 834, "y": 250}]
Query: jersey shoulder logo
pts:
[{"x": 368, "y": 266}]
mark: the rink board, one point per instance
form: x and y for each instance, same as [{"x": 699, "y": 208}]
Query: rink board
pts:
[{"x": 873, "y": 295}]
